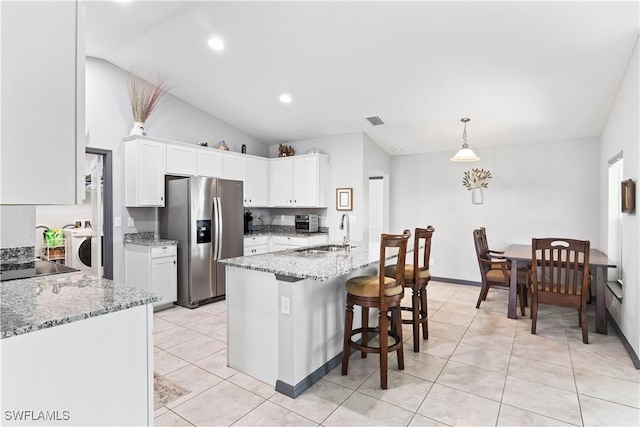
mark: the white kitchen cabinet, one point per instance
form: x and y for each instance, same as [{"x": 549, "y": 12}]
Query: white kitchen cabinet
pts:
[
  {"x": 281, "y": 182},
  {"x": 153, "y": 269},
  {"x": 181, "y": 160},
  {"x": 300, "y": 181},
  {"x": 254, "y": 245},
  {"x": 234, "y": 167},
  {"x": 75, "y": 368},
  {"x": 253, "y": 172},
  {"x": 42, "y": 80},
  {"x": 210, "y": 162},
  {"x": 256, "y": 185},
  {"x": 145, "y": 166}
]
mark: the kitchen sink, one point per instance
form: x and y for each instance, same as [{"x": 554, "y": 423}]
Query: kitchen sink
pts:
[{"x": 319, "y": 250}]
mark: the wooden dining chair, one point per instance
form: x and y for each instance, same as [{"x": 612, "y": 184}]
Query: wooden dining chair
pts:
[
  {"x": 560, "y": 276},
  {"x": 496, "y": 271},
  {"x": 417, "y": 277},
  {"x": 385, "y": 294}
]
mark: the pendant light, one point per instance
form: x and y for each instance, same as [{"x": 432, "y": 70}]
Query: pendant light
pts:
[{"x": 465, "y": 154}]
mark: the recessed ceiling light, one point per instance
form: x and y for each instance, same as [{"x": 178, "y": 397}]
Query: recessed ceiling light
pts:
[
  {"x": 216, "y": 43},
  {"x": 285, "y": 98}
]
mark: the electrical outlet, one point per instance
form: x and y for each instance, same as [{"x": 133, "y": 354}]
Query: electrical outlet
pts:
[
  {"x": 117, "y": 221},
  {"x": 282, "y": 218},
  {"x": 432, "y": 262},
  {"x": 130, "y": 222},
  {"x": 284, "y": 305}
]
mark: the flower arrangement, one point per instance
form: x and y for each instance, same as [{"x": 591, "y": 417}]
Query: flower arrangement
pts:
[
  {"x": 145, "y": 96},
  {"x": 476, "y": 178}
]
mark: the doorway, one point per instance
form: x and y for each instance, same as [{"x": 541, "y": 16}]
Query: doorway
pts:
[
  {"x": 105, "y": 205},
  {"x": 378, "y": 206}
]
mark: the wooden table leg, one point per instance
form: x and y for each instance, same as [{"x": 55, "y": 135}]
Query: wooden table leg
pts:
[
  {"x": 601, "y": 309},
  {"x": 513, "y": 290}
]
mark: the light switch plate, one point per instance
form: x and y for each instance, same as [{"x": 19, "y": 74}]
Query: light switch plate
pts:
[
  {"x": 130, "y": 222},
  {"x": 117, "y": 221},
  {"x": 285, "y": 305}
]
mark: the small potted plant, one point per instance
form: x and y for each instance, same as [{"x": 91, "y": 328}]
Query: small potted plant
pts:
[
  {"x": 145, "y": 97},
  {"x": 475, "y": 180}
]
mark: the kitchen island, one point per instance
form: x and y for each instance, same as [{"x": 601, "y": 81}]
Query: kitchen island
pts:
[
  {"x": 285, "y": 311},
  {"x": 76, "y": 350}
]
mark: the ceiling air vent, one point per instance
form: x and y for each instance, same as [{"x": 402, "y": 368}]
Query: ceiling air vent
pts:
[{"x": 375, "y": 120}]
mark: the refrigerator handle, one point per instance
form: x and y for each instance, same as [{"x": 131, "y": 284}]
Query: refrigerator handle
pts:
[
  {"x": 214, "y": 216},
  {"x": 221, "y": 228}
]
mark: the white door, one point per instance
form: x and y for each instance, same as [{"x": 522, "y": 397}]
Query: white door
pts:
[{"x": 96, "y": 216}]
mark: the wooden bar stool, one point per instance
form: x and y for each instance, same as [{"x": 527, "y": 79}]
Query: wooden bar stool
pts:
[
  {"x": 416, "y": 277},
  {"x": 383, "y": 293}
]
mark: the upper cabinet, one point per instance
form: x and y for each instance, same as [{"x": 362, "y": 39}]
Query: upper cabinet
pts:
[
  {"x": 145, "y": 166},
  {"x": 253, "y": 171},
  {"x": 42, "y": 79},
  {"x": 181, "y": 160},
  {"x": 256, "y": 185},
  {"x": 210, "y": 162},
  {"x": 299, "y": 181}
]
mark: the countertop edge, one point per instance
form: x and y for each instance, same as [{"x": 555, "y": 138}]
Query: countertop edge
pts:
[{"x": 82, "y": 316}]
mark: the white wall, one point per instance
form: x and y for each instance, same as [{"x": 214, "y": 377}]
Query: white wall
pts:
[
  {"x": 537, "y": 190},
  {"x": 109, "y": 119},
  {"x": 622, "y": 133},
  {"x": 345, "y": 170}
]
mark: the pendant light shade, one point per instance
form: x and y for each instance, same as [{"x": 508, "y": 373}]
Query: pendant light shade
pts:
[{"x": 465, "y": 154}]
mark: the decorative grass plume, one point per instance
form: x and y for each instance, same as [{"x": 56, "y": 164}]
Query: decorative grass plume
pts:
[
  {"x": 476, "y": 178},
  {"x": 146, "y": 95}
]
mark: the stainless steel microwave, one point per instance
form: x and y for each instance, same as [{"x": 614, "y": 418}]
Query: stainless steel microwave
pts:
[{"x": 307, "y": 223}]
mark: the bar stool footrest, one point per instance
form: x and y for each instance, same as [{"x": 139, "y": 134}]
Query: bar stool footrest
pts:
[{"x": 368, "y": 349}]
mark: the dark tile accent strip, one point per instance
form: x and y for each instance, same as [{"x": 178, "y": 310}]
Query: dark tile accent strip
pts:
[{"x": 625, "y": 343}]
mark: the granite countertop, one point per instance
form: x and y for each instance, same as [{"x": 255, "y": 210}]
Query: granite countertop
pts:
[
  {"x": 316, "y": 266},
  {"x": 147, "y": 239},
  {"x": 29, "y": 305}
]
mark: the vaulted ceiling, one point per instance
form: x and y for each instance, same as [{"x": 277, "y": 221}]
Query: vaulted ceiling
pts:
[{"x": 522, "y": 71}]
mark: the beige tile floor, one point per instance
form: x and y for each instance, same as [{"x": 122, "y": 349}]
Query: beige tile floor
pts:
[{"x": 478, "y": 368}]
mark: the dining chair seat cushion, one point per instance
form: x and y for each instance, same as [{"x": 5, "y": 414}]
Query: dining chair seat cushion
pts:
[
  {"x": 494, "y": 275},
  {"x": 368, "y": 286},
  {"x": 390, "y": 271}
]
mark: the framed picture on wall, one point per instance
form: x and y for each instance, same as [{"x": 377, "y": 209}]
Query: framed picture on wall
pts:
[
  {"x": 344, "y": 199},
  {"x": 628, "y": 196}
]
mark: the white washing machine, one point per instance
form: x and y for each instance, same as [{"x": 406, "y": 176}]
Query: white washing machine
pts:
[{"x": 78, "y": 248}]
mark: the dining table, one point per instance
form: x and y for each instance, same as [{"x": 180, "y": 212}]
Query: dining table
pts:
[{"x": 520, "y": 256}]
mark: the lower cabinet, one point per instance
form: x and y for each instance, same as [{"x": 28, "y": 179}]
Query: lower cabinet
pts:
[
  {"x": 96, "y": 371},
  {"x": 153, "y": 269},
  {"x": 255, "y": 245}
]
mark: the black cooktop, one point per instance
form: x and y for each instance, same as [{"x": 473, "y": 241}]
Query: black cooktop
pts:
[{"x": 13, "y": 270}]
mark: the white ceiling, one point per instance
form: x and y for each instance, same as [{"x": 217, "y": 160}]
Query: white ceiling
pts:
[{"x": 522, "y": 71}]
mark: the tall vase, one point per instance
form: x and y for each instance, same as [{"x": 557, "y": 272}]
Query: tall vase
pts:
[
  {"x": 476, "y": 196},
  {"x": 138, "y": 129}
]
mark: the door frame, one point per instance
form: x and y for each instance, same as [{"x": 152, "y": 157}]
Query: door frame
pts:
[{"x": 107, "y": 208}]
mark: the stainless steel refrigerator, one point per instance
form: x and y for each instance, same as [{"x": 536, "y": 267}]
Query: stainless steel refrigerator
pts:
[{"x": 205, "y": 216}]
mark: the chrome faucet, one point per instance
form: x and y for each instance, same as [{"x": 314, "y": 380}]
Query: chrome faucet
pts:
[{"x": 346, "y": 241}]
